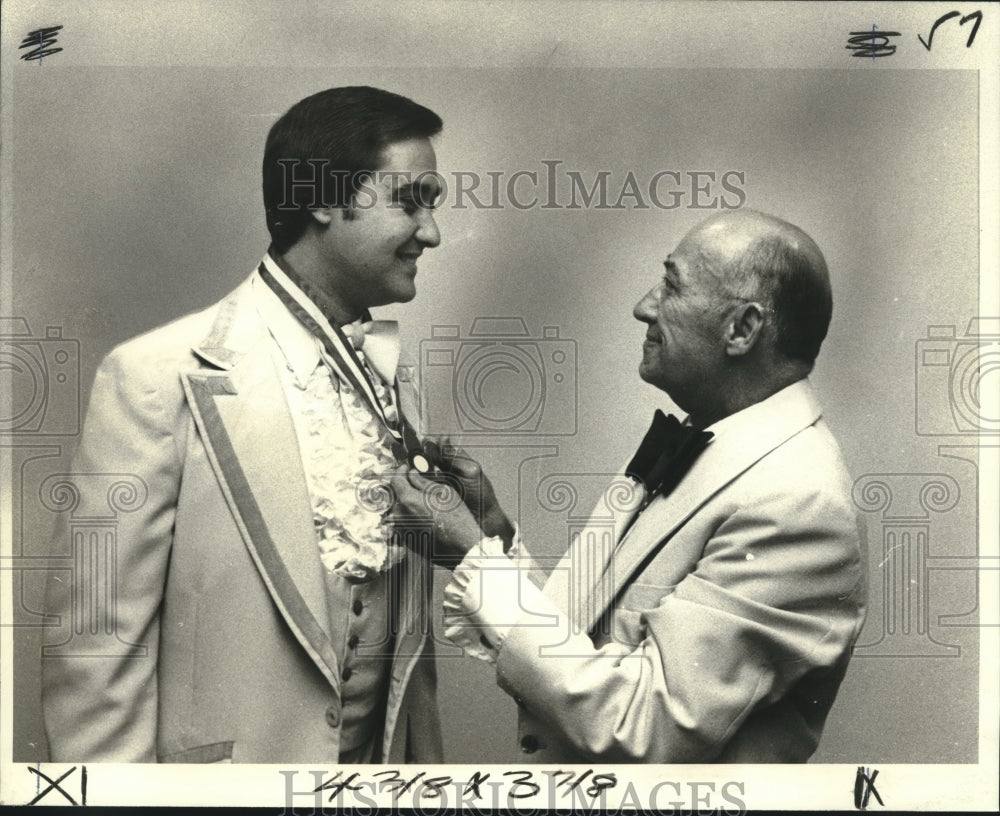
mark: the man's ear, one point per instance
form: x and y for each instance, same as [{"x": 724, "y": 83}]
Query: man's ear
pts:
[
  {"x": 323, "y": 215},
  {"x": 744, "y": 328}
]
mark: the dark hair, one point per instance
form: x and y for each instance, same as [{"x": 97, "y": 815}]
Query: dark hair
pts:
[
  {"x": 791, "y": 276},
  {"x": 324, "y": 147}
]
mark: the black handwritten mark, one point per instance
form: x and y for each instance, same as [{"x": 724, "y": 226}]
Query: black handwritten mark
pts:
[
  {"x": 337, "y": 786},
  {"x": 864, "y": 786},
  {"x": 42, "y": 39},
  {"x": 472, "y": 786},
  {"x": 522, "y": 784},
  {"x": 978, "y": 15},
  {"x": 599, "y": 782},
  {"x": 523, "y": 780},
  {"x": 54, "y": 785},
  {"x": 396, "y": 783},
  {"x": 871, "y": 44}
]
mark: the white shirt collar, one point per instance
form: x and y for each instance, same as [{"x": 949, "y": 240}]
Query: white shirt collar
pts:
[
  {"x": 299, "y": 347},
  {"x": 303, "y": 351}
]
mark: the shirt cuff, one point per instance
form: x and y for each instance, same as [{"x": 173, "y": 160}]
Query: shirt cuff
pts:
[{"x": 487, "y": 594}]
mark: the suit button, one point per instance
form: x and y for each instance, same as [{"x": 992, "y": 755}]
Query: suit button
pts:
[
  {"x": 529, "y": 743},
  {"x": 346, "y": 673},
  {"x": 353, "y": 641},
  {"x": 333, "y": 716},
  {"x": 358, "y": 607}
]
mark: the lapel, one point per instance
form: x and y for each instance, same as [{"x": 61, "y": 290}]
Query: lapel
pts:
[
  {"x": 412, "y": 583},
  {"x": 740, "y": 441},
  {"x": 245, "y": 421},
  {"x": 575, "y": 584}
]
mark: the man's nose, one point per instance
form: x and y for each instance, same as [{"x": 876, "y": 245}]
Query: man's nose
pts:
[
  {"x": 427, "y": 232},
  {"x": 645, "y": 309}
]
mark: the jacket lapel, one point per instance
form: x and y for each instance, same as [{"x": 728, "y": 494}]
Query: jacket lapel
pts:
[
  {"x": 741, "y": 440},
  {"x": 412, "y": 584},
  {"x": 575, "y": 585},
  {"x": 244, "y": 419}
]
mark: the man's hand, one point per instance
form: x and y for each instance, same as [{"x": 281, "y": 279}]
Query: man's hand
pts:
[
  {"x": 476, "y": 489},
  {"x": 423, "y": 504}
]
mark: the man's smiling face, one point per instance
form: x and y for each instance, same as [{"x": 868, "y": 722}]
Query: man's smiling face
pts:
[{"x": 371, "y": 255}]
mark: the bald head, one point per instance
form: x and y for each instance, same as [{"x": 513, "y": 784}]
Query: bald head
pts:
[{"x": 755, "y": 256}]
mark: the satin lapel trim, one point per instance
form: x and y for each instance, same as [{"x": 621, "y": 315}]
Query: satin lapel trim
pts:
[
  {"x": 235, "y": 329},
  {"x": 750, "y": 437},
  {"x": 251, "y": 441}
]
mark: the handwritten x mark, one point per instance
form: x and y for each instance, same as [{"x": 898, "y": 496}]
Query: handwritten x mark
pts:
[{"x": 54, "y": 785}]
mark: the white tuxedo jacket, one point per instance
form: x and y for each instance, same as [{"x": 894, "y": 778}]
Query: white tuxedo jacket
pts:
[
  {"x": 735, "y": 602},
  {"x": 218, "y": 584}
]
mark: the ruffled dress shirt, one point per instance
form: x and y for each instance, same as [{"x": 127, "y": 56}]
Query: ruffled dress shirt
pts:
[{"x": 345, "y": 451}]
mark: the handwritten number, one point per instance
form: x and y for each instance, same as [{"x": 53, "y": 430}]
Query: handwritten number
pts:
[
  {"x": 397, "y": 783},
  {"x": 978, "y": 15},
  {"x": 522, "y": 784},
  {"x": 433, "y": 787},
  {"x": 601, "y": 782},
  {"x": 338, "y": 787},
  {"x": 979, "y": 18},
  {"x": 524, "y": 780}
]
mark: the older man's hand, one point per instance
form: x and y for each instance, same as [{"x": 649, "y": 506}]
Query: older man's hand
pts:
[
  {"x": 476, "y": 489},
  {"x": 432, "y": 518}
]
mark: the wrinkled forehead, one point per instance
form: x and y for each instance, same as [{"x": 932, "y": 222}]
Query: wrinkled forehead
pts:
[{"x": 705, "y": 251}]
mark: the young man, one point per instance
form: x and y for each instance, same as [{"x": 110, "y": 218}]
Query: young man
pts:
[{"x": 258, "y": 611}]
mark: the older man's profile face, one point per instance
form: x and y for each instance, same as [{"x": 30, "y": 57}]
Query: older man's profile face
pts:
[{"x": 683, "y": 347}]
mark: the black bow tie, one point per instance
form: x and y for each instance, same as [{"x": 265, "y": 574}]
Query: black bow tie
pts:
[{"x": 667, "y": 452}]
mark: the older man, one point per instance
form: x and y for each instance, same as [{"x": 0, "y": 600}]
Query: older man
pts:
[
  {"x": 719, "y": 625},
  {"x": 259, "y": 612}
]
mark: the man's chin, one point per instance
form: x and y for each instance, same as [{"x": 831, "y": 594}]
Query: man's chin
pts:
[
  {"x": 648, "y": 374},
  {"x": 401, "y": 294}
]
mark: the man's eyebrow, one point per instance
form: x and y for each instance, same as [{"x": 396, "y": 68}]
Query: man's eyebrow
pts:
[
  {"x": 427, "y": 184},
  {"x": 671, "y": 267}
]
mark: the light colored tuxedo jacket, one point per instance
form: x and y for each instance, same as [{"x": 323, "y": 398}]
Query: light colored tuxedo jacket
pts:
[
  {"x": 219, "y": 594},
  {"x": 734, "y": 604}
]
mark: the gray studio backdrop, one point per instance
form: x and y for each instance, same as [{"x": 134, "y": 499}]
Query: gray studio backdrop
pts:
[{"x": 134, "y": 198}]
